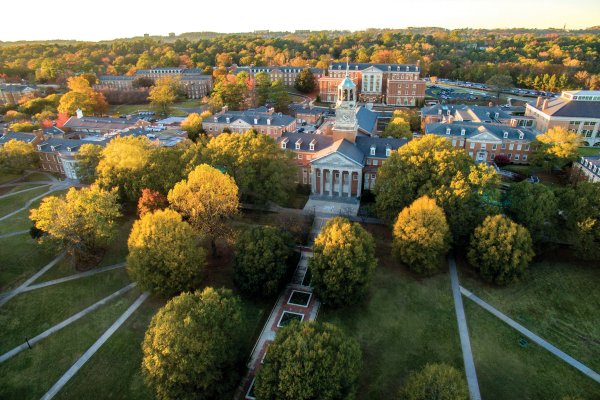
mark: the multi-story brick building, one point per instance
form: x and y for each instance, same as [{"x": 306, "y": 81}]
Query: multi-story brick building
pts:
[
  {"x": 195, "y": 84},
  {"x": 511, "y": 116},
  {"x": 576, "y": 110},
  {"x": 385, "y": 84},
  {"x": 485, "y": 141},
  {"x": 261, "y": 119},
  {"x": 287, "y": 74}
]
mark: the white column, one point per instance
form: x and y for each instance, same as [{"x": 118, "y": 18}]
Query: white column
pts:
[
  {"x": 322, "y": 181},
  {"x": 350, "y": 183},
  {"x": 332, "y": 173},
  {"x": 359, "y": 188},
  {"x": 313, "y": 180},
  {"x": 341, "y": 182}
]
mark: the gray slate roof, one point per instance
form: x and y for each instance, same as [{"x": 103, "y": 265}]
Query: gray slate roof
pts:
[
  {"x": 339, "y": 66},
  {"x": 248, "y": 116},
  {"x": 321, "y": 141},
  {"x": 19, "y": 136},
  {"x": 364, "y": 143},
  {"x": 560, "y": 107},
  {"x": 475, "y": 128}
]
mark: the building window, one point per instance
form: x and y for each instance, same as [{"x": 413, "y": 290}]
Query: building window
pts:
[
  {"x": 519, "y": 146},
  {"x": 517, "y": 156},
  {"x": 372, "y": 150},
  {"x": 354, "y": 177},
  {"x": 373, "y": 176},
  {"x": 510, "y": 156},
  {"x": 472, "y": 145},
  {"x": 493, "y": 156},
  {"x": 470, "y": 154},
  {"x": 494, "y": 147},
  {"x": 299, "y": 156},
  {"x": 524, "y": 157},
  {"x": 375, "y": 162},
  {"x": 503, "y": 146},
  {"x": 526, "y": 147},
  {"x": 511, "y": 146}
]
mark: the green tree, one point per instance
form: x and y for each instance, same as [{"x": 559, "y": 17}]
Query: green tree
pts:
[
  {"x": 123, "y": 164},
  {"x": 191, "y": 349},
  {"x": 166, "y": 166},
  {"x": 142, "y": 82},
  {"x": 343, "y": 262},
  {"x": 431, "y": 166},
  {"x": 230, "y": 91},
  {"x": 309, "y": 361},
  {"x": 24, "y": 127},
  {"x": 163, "y": 94},
  {"x": 421, "y": 236},
  {"x": 535, "y": 207},
  {"x": 581, "y": 208},
  {"x": 398, "y": 128},
  {"x": 81, "y": 223},
  {"x": 17, "y": 156},
  {"x": 260, "y": 260},
  {"x": 557, "y": 147},
  {"x": 305, "y": 81},
  {"x": 164, "y": 256},
  {"x": 279, "y": 95},
  {"x": 207, "y": 199},
  {"x": 88, "y": 157},
  {"x": 263, "y": 171},
  {"x": 500, "y": 250},
  {"x": 82, "y": 96},
  {"x": 262, "y": 87},
  {"x": 500, "y": 83},
  {"x": 435, "y": 382}
]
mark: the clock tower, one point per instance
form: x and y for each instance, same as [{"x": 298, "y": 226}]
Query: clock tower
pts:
[{"x": 346, "y": 125}]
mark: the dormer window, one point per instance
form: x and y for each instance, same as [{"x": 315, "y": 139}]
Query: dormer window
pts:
[
  {"x": 312, "y": 145},
  {"x": 372, "y": 150},
  {"x": 448, "y": 131},
  {"x": 505, "y": 135},
  {"x": 462, "y": 132},
  {"x": 284, "y": 143},
  {"x": 496, "y": 115},
  {"x": 298, "y": 144},
  {"x": 521, "y": 135},
  {"x": 388, "y": 151},
  {"x": 255, "y": 121},
  {"x": 268, "y": 121},
  {"x": 227, "y": 120}
]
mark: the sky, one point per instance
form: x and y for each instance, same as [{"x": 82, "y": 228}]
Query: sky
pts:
[{"x": 110, "y": 19}]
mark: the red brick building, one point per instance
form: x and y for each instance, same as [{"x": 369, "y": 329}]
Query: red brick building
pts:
[{"x": 385, "y": 84}]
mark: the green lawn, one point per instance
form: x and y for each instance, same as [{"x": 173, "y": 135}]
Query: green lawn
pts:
[
  {"x": 405, "y": 323},
  {"x": 128, "y": 108},
  {"x": 589, "y": 151},
  {"x": 505, "y": 370},
  {"x": 20, "y": 258},
  {"x": 31, "y": 373},
  {"x": 36, "y": 176},
  {"x": 557, "y": 300},
  {"x": 29, "y": 314},
  {"x": 14, "y": 202},
  {"x": 14, "y": 189},
  {"x": 6, "y": 177},
  {"x": 20, "y": 221}
]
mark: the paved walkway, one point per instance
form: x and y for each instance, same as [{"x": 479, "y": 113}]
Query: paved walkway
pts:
[
  {"x": 463, "y": 331},
  {"x": 64, "y": 323},
  {"x": 306, "y": 312},
  {"x": 5, "y": 297},
  {"x": 94, "y": 348},
  {"x": 23, "y": 191},
  {"x": 535, "y": 338},
  {"x": 73, "y": 277},
  {"x": 14, "y": 233}
]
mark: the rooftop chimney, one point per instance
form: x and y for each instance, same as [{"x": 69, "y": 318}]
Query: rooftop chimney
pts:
[
  {"x": 538, "y": 102},
  {"x": 545, "y": 104}
]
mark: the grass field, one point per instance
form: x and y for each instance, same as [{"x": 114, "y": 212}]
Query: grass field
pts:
[
  {"x": 405, "y": 323},
  {"x": 589, "y": 151},
  {"x": 6, "y": 177},
  {"x": 31, "y": 373},
  {"x": 16, "y": 201},
  {"x": 557, "y": 299},
  {"x": 506, "y": 370},
  {"x": 20, "y": 221}
]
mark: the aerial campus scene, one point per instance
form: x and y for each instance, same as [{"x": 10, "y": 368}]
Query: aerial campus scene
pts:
[{"x": 321, "y": 201}]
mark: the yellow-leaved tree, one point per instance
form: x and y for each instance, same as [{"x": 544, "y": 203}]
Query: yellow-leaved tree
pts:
[
  {"x": 557, "y": 147},
  {"x": 207, "y": 199},
  {"x": 81, "y": 223},
  {"x": 82, "y": 96},
  {"x": 164, "y": 256},
  {"x": 421, "y": 236}
]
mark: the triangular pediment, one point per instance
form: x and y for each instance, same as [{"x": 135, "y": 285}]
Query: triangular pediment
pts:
[
  {"x": 485, "y": 136},
  {"x": 240, "y": 123},
  {"x": 336, "y": 159},
  {"x": 372, "y": 69}
]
